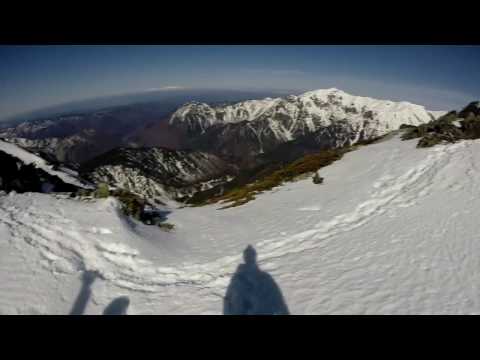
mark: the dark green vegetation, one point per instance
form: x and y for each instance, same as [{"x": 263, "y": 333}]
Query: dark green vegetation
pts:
[
  {"x": 317, "y": 179},
  {"x": 102, "y": 191},
  {"x": 166, "y": 226},
  {"x": 131, "y": 205},
  {"x": 449, "y": 128},
  {"x": 267, "y": 181},
  {"x": 135, "y": 206},
  {"x": 272, "y": 174}
]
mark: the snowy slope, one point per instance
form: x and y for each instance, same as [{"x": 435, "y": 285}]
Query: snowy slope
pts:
[
  {"x": 26, "y": 157},
  {"x": 393, "y": 230}
]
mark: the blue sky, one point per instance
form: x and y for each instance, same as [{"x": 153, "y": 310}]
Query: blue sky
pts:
[{"x": 439, "y": 77}]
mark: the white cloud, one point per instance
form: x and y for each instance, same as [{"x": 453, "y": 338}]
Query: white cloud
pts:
[{"x": 170, "y": 87}]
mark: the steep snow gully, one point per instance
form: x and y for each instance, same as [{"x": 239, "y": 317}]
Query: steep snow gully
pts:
[{"x": 392, "y": 230}]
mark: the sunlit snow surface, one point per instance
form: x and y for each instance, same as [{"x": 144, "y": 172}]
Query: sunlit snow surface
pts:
[{"x": 393, "y": 230}]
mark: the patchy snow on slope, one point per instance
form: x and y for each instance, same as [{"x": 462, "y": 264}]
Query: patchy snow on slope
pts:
[
  {"x": 158, "y": 173},
  {"x": 132, "y": 180},
  {"x": 392, "y": 230}
]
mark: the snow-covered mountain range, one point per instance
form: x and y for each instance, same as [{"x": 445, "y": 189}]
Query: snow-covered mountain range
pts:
[
  {"x": 293, "y": 116},
  {"x": 257, "y": 126},
  {"x": 237, "y": 131},
  {"x": 106, "y": 144}
]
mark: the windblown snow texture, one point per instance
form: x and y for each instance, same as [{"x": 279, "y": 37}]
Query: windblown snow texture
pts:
[{"x": 392, "y": 230}]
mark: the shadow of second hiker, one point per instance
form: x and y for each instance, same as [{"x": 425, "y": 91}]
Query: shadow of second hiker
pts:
[
  {"x": 118, "y": 306},
  {"x": 253, "y": 291}
]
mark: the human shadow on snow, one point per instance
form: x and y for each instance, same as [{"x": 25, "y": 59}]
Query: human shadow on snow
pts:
[
  {"x": 252, "y": 291},
  {"x": 85, "y": 292},
  {"x": 118, "y": 306}
]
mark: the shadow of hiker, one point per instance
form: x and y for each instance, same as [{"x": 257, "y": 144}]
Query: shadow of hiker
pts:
[
  {"x": 253, "y": 291},
  {"x": 80, "y": 304},
  {"x": 118, "y": 306}
]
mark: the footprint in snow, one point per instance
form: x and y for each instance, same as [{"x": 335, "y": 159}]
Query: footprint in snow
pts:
[
  {"x": 102, "y": 231},
  {"x": 310, "y": 208}
]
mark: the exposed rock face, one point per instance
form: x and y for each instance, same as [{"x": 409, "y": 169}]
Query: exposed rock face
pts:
[
  {"x": 449, "y": 128},
  {"x": 472, "y": 108}
]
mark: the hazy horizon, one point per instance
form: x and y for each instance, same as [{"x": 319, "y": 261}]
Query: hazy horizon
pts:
[{"x": 39, "y": 77}]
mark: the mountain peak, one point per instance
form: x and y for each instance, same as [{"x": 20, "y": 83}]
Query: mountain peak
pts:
[
  {"x": 324, "y": 91},
  {"x": 267, "y": 122}
]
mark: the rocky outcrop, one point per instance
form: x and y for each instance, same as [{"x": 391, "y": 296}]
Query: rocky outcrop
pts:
[{"x": 449, "y": 128}]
